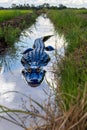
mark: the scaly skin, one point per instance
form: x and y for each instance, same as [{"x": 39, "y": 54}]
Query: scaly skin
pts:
[{"x": 33, "y": 60}]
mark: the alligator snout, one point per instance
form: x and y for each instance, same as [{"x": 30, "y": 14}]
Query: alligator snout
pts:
[{"x": 34, "y": 81}]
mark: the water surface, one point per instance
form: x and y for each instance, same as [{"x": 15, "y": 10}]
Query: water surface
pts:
[{"x": 11, "y": 79}]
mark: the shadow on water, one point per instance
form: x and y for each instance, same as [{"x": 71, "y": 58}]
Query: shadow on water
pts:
[{"x": 10, "y": 77}]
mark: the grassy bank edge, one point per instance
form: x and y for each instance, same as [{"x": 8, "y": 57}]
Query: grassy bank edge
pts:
[
  {"x": 10, "y": 30},
  {"x": 71, "y": 93},
  {"x": 73, "y": 26}
]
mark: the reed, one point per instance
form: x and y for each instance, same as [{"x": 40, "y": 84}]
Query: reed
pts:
[{"x": 55, "y": 117}]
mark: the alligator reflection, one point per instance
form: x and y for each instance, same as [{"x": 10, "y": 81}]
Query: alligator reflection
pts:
[{"x": 33, "y": 60}]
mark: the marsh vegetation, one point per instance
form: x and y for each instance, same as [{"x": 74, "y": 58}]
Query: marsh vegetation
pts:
[
  {"x": 70, "y": 73},
  {"x": 71, "y": 70},
  {"x": 12, "y": 22}
]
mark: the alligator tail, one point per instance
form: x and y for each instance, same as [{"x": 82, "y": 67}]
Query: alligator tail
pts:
[{"x": 45, "y": 38}]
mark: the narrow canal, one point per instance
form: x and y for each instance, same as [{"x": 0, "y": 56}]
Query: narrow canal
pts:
[{"x": 12, "y": 83}]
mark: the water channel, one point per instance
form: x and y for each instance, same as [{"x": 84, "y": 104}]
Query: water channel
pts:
[{"x": 12, "y": 83}]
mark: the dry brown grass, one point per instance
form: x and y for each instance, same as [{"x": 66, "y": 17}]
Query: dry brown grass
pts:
[{"x": 75, "y": 118}]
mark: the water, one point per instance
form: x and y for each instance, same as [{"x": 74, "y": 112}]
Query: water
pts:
[{"x": 12, "y": 83}]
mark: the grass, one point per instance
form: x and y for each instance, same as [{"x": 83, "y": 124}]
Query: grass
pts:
[
  {"x": 12, "y": 23},
  {"x": 70, "y": 75},
  {"x": 55, "y": 117},
  {"x": 9, "y": 35},
  {"x": 72, "y": 68},
  {"x": 71, "y": 71},
  {"x": 70, "y": 23},
  {"x": 10, "y": 14}
]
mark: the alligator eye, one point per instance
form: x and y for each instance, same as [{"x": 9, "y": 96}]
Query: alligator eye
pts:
[
  {"x": 38, "y": 70},
  {"x": 29, "y": 70}
]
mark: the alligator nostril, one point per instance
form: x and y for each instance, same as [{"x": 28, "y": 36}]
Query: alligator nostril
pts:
[{"x": 34, "y": 80}]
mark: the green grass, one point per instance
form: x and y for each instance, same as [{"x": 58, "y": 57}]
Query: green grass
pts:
[
  {"x": 71, "y": 25},
  {"x": 73, "y": 67},
  {"x": 71, "y": 75},
  {"x": 10, "y": 35},
  {"x": 10, "y": 31},
  {"x": 10, "y": 14}
]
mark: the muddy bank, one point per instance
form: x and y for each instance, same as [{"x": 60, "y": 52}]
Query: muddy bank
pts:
[
  {"x": 10, "y": 30},
  {"x": 3, "y": 45},
  {"x": 18, "y": 21}
]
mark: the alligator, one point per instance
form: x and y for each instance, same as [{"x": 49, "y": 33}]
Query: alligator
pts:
[{"x": 34, "y": 59}]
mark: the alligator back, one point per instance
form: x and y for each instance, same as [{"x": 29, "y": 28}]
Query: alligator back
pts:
[{"x": 36, "y": 56}]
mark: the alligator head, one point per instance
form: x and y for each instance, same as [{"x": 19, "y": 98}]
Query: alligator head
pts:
[
  {"x": 34, "y": 76},
  {"x": 33, "y": 60}
]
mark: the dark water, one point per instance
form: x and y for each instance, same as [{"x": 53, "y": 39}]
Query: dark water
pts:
[{"x": 11, "y": 79}]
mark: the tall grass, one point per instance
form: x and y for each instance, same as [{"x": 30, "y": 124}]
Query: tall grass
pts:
[
  {"x": 72, "y": 68},
  {"x": 72, "y": 25},
  {"x": 71, "y": 75},
  {"x": 71, "y": 71},
  {"x": 70, "y": 104},
  {"x": 10, "y": 30},
  {"x": 55, "y": 116}
]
